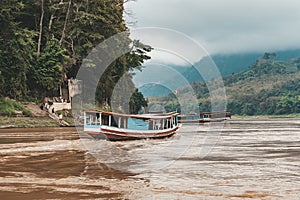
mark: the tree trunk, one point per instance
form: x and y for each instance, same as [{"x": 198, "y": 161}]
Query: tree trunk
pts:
[
  {"x": 41, "y": 28},
  {"x": 51, "y": 21},
  {"x": 66, "y": 20}
]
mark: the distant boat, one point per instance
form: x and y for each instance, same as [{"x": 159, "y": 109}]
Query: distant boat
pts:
[
  {"x": 204, "y": 117},
  {"x": 115, "y": 126}
]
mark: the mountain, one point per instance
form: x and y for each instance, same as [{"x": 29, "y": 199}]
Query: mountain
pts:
[
  {"x": 266, "y": 87},
  {"x": 227, "y": 65},
  {"x": 233, "y": 63},
  {"x": 152, "y": 89}
]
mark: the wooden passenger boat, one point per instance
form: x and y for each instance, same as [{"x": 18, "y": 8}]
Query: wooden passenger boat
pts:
[
  {"x": 204, "y": 117},
  {"x": 115, "y": 126}
]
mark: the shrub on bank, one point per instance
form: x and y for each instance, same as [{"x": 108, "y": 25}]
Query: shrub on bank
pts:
[{"x": 11, "y": 108}]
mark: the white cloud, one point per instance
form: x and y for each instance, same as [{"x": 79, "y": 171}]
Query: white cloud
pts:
[
  {"x": 165, "y": 57},
  {"x": 226, "y": 26},
  {"x": 170, "y": 46}
]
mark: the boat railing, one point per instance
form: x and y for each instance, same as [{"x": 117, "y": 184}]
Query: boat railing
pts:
[{"x": 136, "y": 122}]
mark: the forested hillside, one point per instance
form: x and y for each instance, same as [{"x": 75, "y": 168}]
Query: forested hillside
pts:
[
  {"x": 267, "y": 87},
  {"x": 42, "y": 41}
]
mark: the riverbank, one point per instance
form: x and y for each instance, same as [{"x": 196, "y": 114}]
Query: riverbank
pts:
[
  {"x": 45, "y": 121},
  {"x": 14, "y": 114},
  {"x": 27, "y": 122},
  {"x": 265, "y": 116},
  {"x": 31, "y": 122}
]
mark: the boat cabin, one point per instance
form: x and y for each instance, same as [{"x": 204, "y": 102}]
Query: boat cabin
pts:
[{"x": 94, "y": 120}]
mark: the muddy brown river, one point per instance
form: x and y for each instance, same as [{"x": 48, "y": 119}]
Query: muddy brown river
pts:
[{"x": 240, "y": 159}]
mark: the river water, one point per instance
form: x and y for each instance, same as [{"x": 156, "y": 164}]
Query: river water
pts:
[{"x": 240, "y": 159}]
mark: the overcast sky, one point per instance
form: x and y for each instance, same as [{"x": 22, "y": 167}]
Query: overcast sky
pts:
[{"x": 225, "y": 26}]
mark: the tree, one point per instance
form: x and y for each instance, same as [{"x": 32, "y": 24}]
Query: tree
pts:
[
  {"x": 269, "y": 56},
  {"x": 132, "y": 60},
  {"x": 41, "y": 41},
  {"x": 17, "y": 46},
  {"x": 284, "y": 105},
  {"x": 46, "y": 73},
  {"x": 137, "y": 101},
  {"x": 41, "y": 28}
]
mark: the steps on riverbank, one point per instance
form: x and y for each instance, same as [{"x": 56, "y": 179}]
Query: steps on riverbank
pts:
[
  {"x": 60, "y": 121},
  {"x": 59, "y": 106},
  {"x": 38, "y": 112}
]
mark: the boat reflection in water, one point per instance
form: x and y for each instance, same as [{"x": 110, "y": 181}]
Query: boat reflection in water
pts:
[{"x": 115, "y": 126}]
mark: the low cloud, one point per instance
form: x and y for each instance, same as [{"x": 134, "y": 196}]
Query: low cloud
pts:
[
  {"x": 229, "y": 26},
  {"x": 170, "y": 47}
]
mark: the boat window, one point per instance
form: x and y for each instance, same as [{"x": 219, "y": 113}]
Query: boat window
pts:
[
  {"x": 92, "y": 119},
  {"x": 138, "y": 124},
  {"x": 168, "y": 123},
  {"x": 104, "y": 119},
  {"x": 108, "y": 120},
  {"x": 158, "y": 125},
  {"x": 122, "y": 122}
]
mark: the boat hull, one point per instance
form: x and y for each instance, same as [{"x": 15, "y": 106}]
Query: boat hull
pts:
[
  {"x": 116, "y": 134},
  {"x": 120, "y": 137}
]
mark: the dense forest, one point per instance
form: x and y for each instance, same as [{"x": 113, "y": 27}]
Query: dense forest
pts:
[
  {"x": 267, "y": 87},
  {"x": 41, "y": 42}
]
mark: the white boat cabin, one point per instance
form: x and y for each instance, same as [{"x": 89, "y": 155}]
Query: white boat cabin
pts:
[{"x": 93, "y": 120}]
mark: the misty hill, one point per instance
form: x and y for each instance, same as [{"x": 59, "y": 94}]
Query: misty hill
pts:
[
  {"x": 268, "y": 86},
  {"x": 233, "y": 63},
  {"x": 227, "y": 65},
  {"x": 149, "y": 90}
]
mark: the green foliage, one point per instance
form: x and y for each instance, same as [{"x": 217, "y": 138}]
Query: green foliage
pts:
[
  {"x": 16, "y": 43},
  {"x": 287, "y": 105},
  {"x": 173, "y": 106},
  {"x": 136, "y": 102},
  {"x": 119, "y": 69},
  {"x": 41, "y": 42},
  {"x": 9, "y": 107},
  {"x": 26, "y": 112},
  {"x": 267, "y": 87},
  {"x": 281, "y": 96},
  {"x": 46, "y": 74},
  {"x": 269, "y": 56}
]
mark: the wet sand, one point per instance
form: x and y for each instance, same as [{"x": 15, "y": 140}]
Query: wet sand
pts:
[{"x": 240, "y": 159}]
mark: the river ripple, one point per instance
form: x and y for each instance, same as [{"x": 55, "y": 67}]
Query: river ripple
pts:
[{"x": 241, "y": 159}]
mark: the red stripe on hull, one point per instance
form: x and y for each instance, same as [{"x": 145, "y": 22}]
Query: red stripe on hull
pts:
[{"x": 121, "y": 135}]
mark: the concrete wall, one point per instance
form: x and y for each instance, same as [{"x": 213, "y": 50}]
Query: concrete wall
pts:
[{"x": 60, "y": 106}]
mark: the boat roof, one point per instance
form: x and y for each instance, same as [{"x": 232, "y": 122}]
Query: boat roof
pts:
[{"x": 141, "y": 116}]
